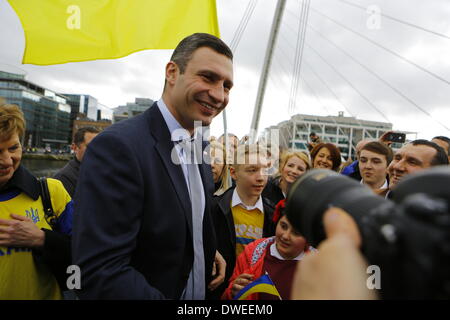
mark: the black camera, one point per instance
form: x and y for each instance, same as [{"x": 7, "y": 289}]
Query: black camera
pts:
[{"x": 407, "y": 237}]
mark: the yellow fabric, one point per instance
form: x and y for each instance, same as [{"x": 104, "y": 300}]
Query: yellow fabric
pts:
[
  {"x": 60, "y": 31},
  {"x": 20, "y": 277},
  {"x": 248, "y": 225}
]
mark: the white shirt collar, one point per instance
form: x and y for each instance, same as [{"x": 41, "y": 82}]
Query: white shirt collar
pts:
[
  {"x": 177, "y": 132},
  {"x": 384, "y": 186},
  {"x": 236, "y": 200},
  {"x": 274, "y": 253}
]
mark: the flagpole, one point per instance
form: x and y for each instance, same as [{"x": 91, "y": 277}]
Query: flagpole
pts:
[{"x": 267, "y": 274}]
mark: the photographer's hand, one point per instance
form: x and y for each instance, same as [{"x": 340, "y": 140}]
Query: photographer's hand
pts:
[
  {"x": 384, "y": 138},
  {"x": 338, "y": 270}
]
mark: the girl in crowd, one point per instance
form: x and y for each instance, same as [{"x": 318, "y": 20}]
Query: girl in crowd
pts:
[
  {"x": 219, "y": 168},
  {"x": 278, "y": 256},
  {"x": 326, "y": 156},
  {"x": 292, "y": 166}
]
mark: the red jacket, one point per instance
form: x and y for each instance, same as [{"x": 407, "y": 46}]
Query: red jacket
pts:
[{"x": 251, "y": 261}]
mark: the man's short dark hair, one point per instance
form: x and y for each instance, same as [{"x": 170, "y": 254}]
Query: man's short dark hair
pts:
[
  {"x": 445, "y": 139},
  {"x": 185, "y": 49},
  {"x": 379, "y": 148},
  {"x": 78, "y": 137},
  {"x": 440, "y": 157}
]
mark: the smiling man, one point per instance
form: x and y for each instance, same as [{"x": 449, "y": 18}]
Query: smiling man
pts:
[
  {"x": 413, "y": 157},
  {"x": 143, "y": 228}
]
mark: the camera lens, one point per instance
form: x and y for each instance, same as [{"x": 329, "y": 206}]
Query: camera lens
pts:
[{"x": 320, "y": 189}]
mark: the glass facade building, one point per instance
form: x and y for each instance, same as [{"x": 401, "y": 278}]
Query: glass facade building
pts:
[
  {"x": 344, "y": 132},
  {"x": 47, "y": 113},
  {"x": 131, "y": 109}
]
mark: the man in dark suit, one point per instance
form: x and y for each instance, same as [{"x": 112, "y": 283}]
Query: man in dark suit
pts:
[
  {"x": 141, "y": 229},
  {"x": 68, "y": 175}
]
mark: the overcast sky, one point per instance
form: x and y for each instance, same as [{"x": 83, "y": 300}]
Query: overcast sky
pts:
[{"x": 331, "y": 80}]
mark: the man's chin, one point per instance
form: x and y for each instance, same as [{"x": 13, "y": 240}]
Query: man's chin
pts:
[{"x": 393, "y": 184}]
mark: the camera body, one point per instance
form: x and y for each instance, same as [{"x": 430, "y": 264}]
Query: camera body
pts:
[
  {"x": 408, "y": 237},
  {"x": 396, "y": 137}
]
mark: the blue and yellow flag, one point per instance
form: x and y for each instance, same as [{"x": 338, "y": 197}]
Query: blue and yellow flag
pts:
[
  {"x": 262, "y": 284},
  {"x": 60, "y": 31}
]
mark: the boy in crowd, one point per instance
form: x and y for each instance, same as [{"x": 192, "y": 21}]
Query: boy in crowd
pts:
[
  {"x": 241, "y": 215},
  {"x": 374, "y": 159}
]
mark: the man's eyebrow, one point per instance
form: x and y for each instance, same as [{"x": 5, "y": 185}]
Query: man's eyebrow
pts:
[{"x": 410, "y": 158}]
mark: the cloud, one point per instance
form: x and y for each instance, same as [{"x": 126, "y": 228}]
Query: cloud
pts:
[{"x": 115, "y": 82}]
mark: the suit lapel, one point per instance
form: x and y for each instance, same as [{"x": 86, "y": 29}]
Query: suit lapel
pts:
[
  {"x": 164, "y": 147},
  {"x": 225, "y": 206}
]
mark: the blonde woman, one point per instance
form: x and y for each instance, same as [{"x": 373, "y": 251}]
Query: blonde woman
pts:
[
  {"x": 220, "y": 171},
  {"x": 293, "y": 164}
]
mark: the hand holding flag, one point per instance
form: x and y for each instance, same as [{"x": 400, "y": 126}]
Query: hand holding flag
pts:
[{"x": 262, "y": 284}]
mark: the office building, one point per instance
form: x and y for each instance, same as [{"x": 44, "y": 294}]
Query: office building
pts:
[
  {"x": 344, "y": 132},
  {"x": 47, "y": 113},
  {"x": 131, "y": 109}
]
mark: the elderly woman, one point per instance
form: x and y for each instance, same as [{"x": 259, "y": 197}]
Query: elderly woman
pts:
[
  {"x": 34, "y": 244},
  {"x": 326, "y": 156},
  {"x": 293, "y": 164}
]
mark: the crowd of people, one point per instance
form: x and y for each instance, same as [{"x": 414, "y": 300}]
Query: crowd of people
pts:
[{"x": 143, "y": 220}]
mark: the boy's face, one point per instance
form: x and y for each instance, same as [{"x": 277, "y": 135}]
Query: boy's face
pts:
[
  {"x": 251, "y": 177},
  {"x": 372, "y": 167}
]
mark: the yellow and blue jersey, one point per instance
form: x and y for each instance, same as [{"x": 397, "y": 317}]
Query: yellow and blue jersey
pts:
[{"x": 21, "y": 277}]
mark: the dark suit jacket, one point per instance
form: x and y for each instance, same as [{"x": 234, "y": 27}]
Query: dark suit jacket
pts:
[
  {"x": 68, "y": 175},
  {"x": 132, "y": 233},
  {"x": 272, "y": 191},
  {"x": 226, "y": 233}
]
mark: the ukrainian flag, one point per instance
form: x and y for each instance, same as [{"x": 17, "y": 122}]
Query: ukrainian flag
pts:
[
  {"x": 60, "y": 31},
  {"x": 262, "y": 284}
]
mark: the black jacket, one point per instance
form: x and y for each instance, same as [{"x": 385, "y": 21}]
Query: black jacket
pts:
[
  {"x": 68, "y": 175},
  {"x": 226, "y": 234},
  {"x": 132, "y": 232},
  {"x": 273, "y": 192}
]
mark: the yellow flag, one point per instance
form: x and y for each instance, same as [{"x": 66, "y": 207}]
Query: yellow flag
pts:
[{"x": 60, "y": 31}]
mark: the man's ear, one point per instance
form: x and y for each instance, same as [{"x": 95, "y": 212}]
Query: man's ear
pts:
[
  {"x": 73, "y": 146},
  {"x": 172, "y": 72},
  {"x": 233, "y": 172}
]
